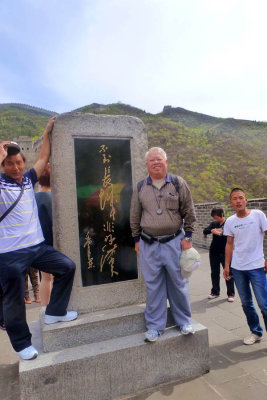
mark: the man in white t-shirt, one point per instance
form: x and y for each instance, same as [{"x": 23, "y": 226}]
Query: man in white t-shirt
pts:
[{"x": 245, "y": 233}]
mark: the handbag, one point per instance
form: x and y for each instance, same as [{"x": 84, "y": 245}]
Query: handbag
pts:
[{"x": 12, "y": 205}]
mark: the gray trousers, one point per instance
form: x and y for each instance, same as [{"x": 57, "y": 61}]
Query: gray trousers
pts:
[{"x": 160, "y": 267}]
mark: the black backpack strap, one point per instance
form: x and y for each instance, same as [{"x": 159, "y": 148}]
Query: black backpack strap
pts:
[
  {"x": 140, "y": 184},
  {"x": 175, "y": 182},
  {"x": 13, "y": 205}
]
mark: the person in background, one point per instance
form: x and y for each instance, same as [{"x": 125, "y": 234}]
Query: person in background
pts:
[
  {"x": 244, "y": 250},
  {"x": 44, "y": 204},
  {"x": 32, "y": 273},
  {"x": 217, "y": 255}
]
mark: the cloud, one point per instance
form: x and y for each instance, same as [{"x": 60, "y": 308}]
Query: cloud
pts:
[{"x": 202, "y": 55}]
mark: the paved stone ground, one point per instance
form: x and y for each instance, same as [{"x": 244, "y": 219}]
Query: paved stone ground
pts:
[{"x": 238, "y": 372}]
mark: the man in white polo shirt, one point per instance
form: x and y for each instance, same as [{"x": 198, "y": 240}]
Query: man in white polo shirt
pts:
[
  {"x": 22, "y": 245},
  {"x": 245, "y": 232}
]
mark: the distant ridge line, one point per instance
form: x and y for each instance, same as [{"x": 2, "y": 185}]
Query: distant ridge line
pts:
[
  {"x": 28, "y": 107},
  {"x": 169, "y": 110}
]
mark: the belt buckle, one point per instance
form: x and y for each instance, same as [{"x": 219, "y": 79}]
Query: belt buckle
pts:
[
  {"x": 167, "y": 238},
  {"x": 163, "y": 239}
]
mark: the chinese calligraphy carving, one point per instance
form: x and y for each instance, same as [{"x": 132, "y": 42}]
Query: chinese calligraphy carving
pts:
[
  {"x": 104, "y": 187},
  {"x": 106, "y": 197}
]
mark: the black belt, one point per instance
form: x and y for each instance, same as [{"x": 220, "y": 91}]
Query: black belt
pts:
[{"x": 162, "y": 239}]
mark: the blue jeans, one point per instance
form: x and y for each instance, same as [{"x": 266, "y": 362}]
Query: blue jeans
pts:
[
  {"x": 13, "y": 267},
  {"x": 257, "y": 279}
]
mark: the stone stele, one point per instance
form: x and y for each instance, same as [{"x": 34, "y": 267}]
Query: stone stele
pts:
[{"x": 67, "y": 127}]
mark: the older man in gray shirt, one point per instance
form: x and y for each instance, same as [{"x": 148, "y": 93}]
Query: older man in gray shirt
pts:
[{"x": 162, "y": 217}]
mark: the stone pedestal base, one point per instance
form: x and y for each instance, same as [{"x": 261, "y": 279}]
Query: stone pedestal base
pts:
[{"x": 105, "y": 358}]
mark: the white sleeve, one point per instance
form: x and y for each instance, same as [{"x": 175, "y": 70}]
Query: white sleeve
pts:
[
  {"x": 263, "y": 220},
  {"x": 227, "y": 229}
]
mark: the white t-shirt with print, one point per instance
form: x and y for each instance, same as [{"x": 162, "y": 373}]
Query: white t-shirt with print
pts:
[{"x": 248, "y": 234}]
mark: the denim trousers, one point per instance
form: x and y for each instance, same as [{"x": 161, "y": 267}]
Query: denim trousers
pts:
[
  {"x": 160, "y": 267},
  {"x": 13, "y": 268},
  {"x": 257, "y": 279}
]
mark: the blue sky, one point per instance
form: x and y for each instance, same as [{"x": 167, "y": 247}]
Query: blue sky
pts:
[{"x": 203, "y": 55}]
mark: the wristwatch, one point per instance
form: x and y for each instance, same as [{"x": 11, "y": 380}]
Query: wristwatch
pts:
[{"x": 188, "y": 239}]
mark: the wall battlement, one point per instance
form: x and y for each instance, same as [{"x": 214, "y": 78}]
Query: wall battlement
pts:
[{"x": 29, "y": 148}]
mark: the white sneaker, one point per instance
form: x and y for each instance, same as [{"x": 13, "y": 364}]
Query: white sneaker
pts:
[
  {"x": 52, "y": 319},
  {"x": 152, "y": 335},
  {"x": 186, "y": 329},
  {"x": 231, "y": 299},
  {"x": 251, "y": 339},
  {"x": 28, "y": 354}
]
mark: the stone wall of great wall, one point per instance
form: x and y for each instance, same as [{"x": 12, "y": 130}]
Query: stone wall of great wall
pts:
[{"x": 29, "y": 148}]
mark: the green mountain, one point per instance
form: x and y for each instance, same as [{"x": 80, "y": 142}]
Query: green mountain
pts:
[
  {"x": 22, "y": 120},
  {"x": 212, "y": 154}
]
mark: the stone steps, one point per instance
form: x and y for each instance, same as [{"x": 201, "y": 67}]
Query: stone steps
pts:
[
  {"x": 108, "y": 369},
  {"x": 95, "y": 327}
]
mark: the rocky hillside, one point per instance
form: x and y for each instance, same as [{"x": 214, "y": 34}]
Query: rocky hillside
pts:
[
  {"x": 22, "y": 120},
  {"x": 212, "y": 154}
]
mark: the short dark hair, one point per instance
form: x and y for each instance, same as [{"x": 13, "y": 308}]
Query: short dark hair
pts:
[
  {"x": 217, "y": 212},
  {"x": 22, "y": 156},
  {"x": 236, "y": 189}
]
